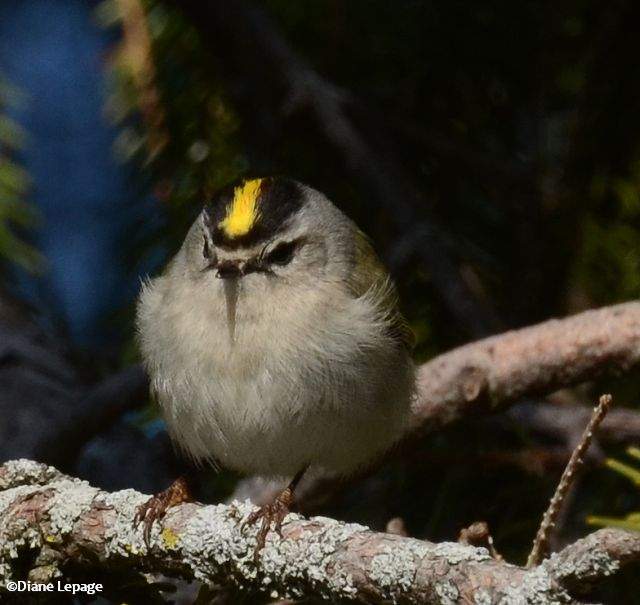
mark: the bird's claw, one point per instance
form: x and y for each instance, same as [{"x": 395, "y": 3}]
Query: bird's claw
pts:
[
  {"x": 274, "y": 514},
  {"x": 156, "y": 507}
]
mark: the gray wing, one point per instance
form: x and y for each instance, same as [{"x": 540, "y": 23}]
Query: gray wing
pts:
[{"x": 371, "y": 273}]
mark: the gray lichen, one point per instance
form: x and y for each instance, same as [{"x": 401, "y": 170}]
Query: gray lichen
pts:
[
  {"x": 20, "y": 481},
  {"x": 26, "y": 472},
  {"x": 64, "y": 512},
  {"x": 286, "y": 566},
  {"x": 15, "y": 536},
  {"x": 42, "y": 509},
  {"x": 455, "y": 553},
  {"x": 592, "y": 560},
  {"x": 120, "y": 536},
  {"x": 537, "y": 587},
  {"x": 482, "y": 597},
  {"x": 394, "y": 569},
  {"x": 447, "y": 593},
  {"x": 306, "y": 561}
]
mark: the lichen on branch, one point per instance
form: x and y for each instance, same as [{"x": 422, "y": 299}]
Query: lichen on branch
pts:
[{"x": 53, "y": 520}]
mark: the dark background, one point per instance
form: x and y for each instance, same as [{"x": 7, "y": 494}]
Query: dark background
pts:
[{"x": 491, "y": 149}]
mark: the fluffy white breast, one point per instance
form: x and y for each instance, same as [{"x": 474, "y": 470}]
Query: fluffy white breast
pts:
[{"x": 295, "y": 377}]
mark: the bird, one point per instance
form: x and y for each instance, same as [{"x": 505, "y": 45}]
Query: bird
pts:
[{"x": 274, "y": 343}]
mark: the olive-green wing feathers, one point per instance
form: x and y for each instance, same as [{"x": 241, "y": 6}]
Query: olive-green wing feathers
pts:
[{"x": 371, "y": 275}]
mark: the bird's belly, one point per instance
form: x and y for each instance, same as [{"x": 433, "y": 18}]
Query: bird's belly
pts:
[
  {"x": 330, "y": 390},
  {"x": 265, "y": 429},
  {"x": 259, "y": 418}
]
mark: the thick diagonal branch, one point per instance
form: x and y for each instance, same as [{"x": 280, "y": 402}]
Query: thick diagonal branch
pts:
[{"x": 491, "y": 373}]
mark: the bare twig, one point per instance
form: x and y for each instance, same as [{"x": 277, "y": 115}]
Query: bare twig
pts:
[
  {"x": 478, "y": 534},
  {"x": 48, "y": 520},
  {"x": 396, "y": 527},
  {"x": 541, "y": 540}
]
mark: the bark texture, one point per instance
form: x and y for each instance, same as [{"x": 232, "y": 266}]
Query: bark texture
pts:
[
  {"x": 496, "y": 371},
  {"x": 53, "y": 520}
]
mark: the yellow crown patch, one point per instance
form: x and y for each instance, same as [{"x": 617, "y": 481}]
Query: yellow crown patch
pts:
[{"x": 243, "y": 211}]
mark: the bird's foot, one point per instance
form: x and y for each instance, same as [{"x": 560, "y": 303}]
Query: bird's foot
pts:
[
  {"x": 274, "y": 514},
  {"x": 156, "y": 507}
]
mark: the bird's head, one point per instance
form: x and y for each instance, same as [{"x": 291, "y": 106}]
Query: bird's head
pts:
[{"x": 272, "y": 230}]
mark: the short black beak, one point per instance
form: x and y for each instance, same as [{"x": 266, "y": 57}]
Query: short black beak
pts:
[{"x": 228, "y": 269}]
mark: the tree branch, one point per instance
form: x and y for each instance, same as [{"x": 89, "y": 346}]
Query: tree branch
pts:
[
  {"x": 491, "y": 373},
  {"x": 54, "y": 521},
  {"x": 576, "y": 566}
]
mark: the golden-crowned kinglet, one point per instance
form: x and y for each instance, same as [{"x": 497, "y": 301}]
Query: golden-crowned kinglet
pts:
[{"x": 273, "y": 339}]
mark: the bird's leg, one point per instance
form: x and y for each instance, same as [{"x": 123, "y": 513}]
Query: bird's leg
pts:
[
  {"x": 156, "y": 507},
  {"x": 274, "y": 512}
]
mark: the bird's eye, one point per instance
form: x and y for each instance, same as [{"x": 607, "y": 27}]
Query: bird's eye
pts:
[{"x": 281, "y": 254}]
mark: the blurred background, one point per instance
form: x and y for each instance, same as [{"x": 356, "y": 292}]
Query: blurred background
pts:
[{"x": 490, "y": 149}]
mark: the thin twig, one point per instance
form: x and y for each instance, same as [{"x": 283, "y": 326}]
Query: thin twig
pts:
[
  {"x": 397, "y": 527},
  {"x": 541, "y": 541},
  {"x": 478, "y": 534}
]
